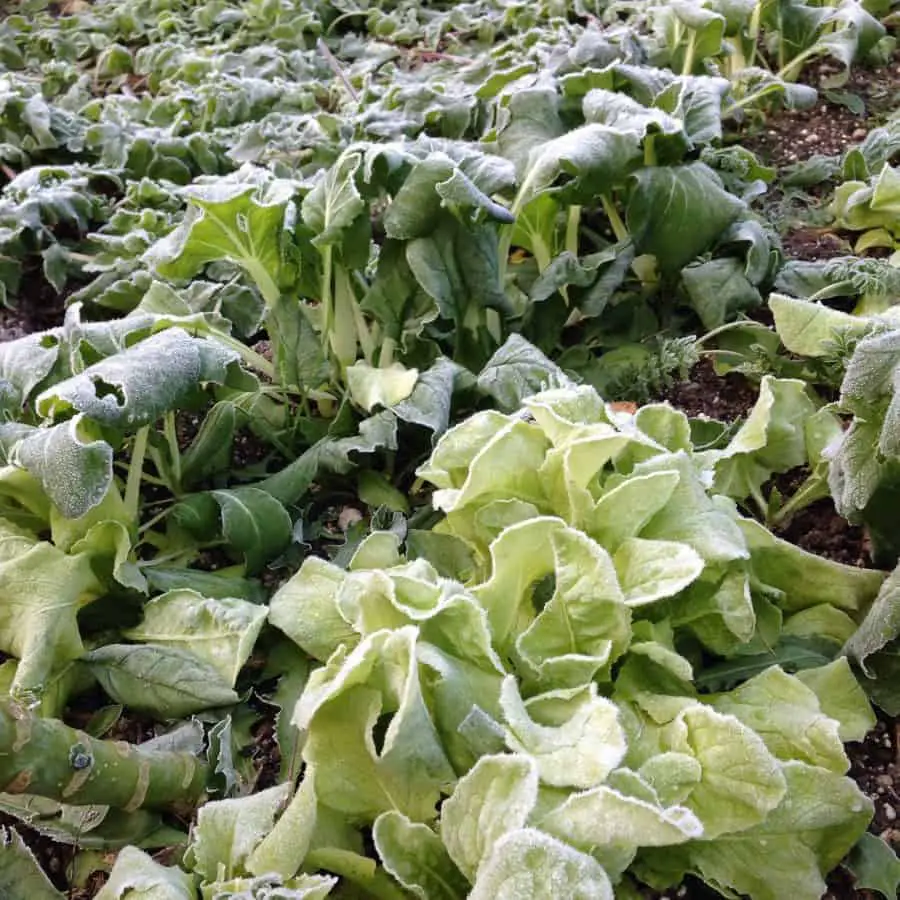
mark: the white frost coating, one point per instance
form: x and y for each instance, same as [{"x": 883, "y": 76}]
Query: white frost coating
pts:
[
  {"x": 579, "y": 752},
  {"x": 74, "y": 473},
  {"x": 527, "y": 864},
  {"x": 138, "y": 385}
]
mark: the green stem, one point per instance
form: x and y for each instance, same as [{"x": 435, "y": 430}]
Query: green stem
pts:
[
  {"x": 787, "y": 72},
  {"x": 171, "y": 435},
  {"x": 573, "y": 223},
  {"x": 688, "y": 66},
  {"x": 264, "y": 281},
  {"x": 135, "y": 471},
  {"x": 251, "y": 358},
  {"x": 47, "y": 758},
  {"x": 615, "y": 220}
]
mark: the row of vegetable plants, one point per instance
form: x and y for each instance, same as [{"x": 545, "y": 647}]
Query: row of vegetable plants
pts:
[{"x": 331, "y": 434}]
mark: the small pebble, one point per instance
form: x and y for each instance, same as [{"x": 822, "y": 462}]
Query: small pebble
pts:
[
  {"x": 859, "y": 134},
  {"x": 890, "y": 813}
]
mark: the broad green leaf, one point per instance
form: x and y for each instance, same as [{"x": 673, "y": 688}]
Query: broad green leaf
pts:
[
  {"x": 21, "y": 875},
  {"x": 875, "y": 866},
  {"x": 676, "y": 213},
  {"x": 591, "y": 160},
  {"x": 137, "y": 876},
  {"x": 652, "y": 570},
  {"x": 517, "y": 370},
  {"x": 334, "y": 203},
  {"x": 578, "y": 750},
  {"x": 234, "y": 221},
  {"x": 526, "y": 864},
  {"x": 228, "y": 831},
  {"x": 221, "y": 632},
  {"x": 165, "y": 682},
  {"x": 41, "y": 592},
  {"x": 254, "y": 523},
  {"x": 73, "y": 464},
  {"x": 786, "y": 714},
  {"x": 719, "y": 290},
  {"x": 415, "y": 856},
  {"x": 137, "y": 386},
  {"x": 495, "y": 797}
]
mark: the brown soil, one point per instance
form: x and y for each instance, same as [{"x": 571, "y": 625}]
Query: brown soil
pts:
[
  {"x": 828, "y": 128},
  {"x": 708, "y": 394}
]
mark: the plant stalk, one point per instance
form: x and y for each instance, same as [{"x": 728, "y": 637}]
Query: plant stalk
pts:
[{"x": 48, "y": 758}]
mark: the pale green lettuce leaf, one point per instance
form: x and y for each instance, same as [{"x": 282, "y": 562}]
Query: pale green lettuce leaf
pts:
[
  {"x": 585, "y": 625},
  {"x": 284, "y": 848},
  {"x": 415, "y": 856},
  {"x": 305, "y": 609},
  {"x": 579, "y": 751},
  {"x": 786, "y": 714},
  {"x": 339, "y": 709},
  {"x": 495, "y": 797},
  {"x": 41, "y": 591},
  {"x": 691, "y": 516},
  {"x": 228, "y": 831},
  {"x": 652, "y": 570},
  {"x": 562, "y": 412},
  {"x": 771, "y": 440},
  {"x": 504, "y": 466},
  {"x": 450, "y": 460},
  {"x": 220, "y": 631},
  {"x": 137, "y": 876},
  {"x": 623, "y": 510},
  {"x": 804, "y": 579},
  {"x": 606, "y": 815},
  {"x": 820, "y": 819},
  {"x": 841, "y": 697},
  {"x": 809, "y": 329},
  {"x": 528, "y": 865},
  {"x": 741, "y": 781},
  {"x": 270, "y": 887},
  {"x": 520, "y": 556}
]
